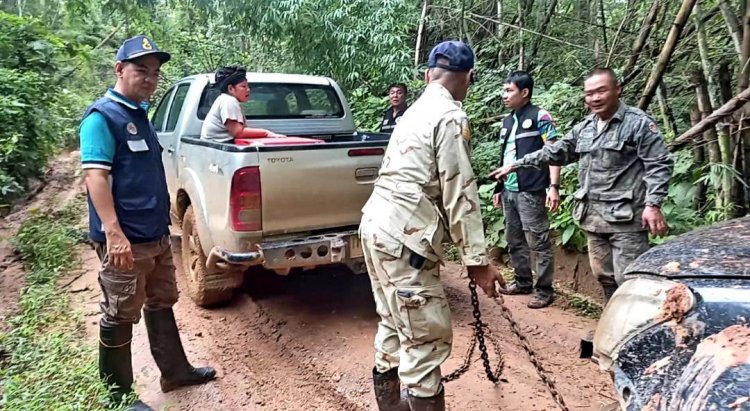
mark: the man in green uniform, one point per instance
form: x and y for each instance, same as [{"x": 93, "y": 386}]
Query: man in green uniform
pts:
[{"x": 624, "y": 172}]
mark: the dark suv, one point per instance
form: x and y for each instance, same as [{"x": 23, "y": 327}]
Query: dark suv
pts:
[{"x": 675, "y": 335}]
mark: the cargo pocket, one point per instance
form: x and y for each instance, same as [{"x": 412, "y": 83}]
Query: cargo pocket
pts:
[
  {"x": 579, "y": 204},
  {"x": 385, "y": 243},
  {"x": 425, "y": 313},
  {"x": 119, "y": 291},
  {"x": 616, "y": 206}
]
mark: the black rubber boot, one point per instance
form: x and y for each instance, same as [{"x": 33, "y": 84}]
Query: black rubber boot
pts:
[
  {"x": 436, "y": 403},
  {"x": 388, "y": 391},
  {"x": 168, "y": 353},
  {"x": 115, "y": 362}
]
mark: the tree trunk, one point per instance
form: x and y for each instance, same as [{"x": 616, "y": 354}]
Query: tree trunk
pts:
[
  {"x": 713, "y": 93},
  {"x": 725, "y": 81},
  {"x": 543, "y": 30},
  {"x": 724, "y": 111},
  {"x": 500, "y": 32},
  {"x": 640, "y": 41},
  {"x": 738, "y": 190},
  {"x": 604, "y": 23},
  {"x": 522, "y": 24},
  {"x": 709, "y": 135},
  {"x": 625, "y": 18},
  {"x": 422, "y": 32},
  {"x": 742, "y": 81},
  {"x": 733, "y": 24},
  {"x": 744, "y": 125},
  {"x": 666, "y": 54},
  {"x": 666, "y": 111},
  {"x": 699, "y": 158}
]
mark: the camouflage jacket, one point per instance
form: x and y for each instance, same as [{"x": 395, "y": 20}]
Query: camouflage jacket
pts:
[
  {"x": 621, "y": 169},
  {"x": 426, "y": 187}
]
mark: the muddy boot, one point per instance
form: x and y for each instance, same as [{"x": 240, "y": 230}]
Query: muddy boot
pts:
[
  {"x": 388, "y": 391},
  {"x": 436, "y": 403},
  {"x": 168, "y": 353},
  {"x": 115, "y": 363}
]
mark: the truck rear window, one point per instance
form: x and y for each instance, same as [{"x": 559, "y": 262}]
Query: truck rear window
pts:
[{"x": 281, "y": 100}]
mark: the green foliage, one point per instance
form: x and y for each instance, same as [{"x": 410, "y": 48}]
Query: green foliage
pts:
[
  {"x": 359, "y": 43},
  {"x": 493, "y": 218},
  {"x": 47, "y": 365},
  {"x": 37, "y": 117},
  {"x": 368, "y": 107},
  {"x": 581, "y": 304}
]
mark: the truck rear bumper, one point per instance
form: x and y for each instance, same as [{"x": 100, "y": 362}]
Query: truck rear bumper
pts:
[
  {"x": 308, "y": 252},
  {"x": 324, "y": 249},
  {"x": 220, "y": 259}
]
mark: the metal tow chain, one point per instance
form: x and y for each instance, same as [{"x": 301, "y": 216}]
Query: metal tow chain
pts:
[
  {"x": 480, "y": 331},
  {"x": 531, "y": 353}
]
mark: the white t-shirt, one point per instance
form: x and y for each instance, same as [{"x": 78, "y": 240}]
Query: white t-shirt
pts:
[{"x": 226, "y": 107}]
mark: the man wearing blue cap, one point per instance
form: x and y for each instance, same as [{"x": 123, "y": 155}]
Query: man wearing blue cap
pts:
[
  {"x": 129, "y": 225},
  {"x": 426, "y": 190}
]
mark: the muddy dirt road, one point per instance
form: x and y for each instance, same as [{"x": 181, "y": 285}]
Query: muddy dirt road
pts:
[{"x": 306, "y": 344}]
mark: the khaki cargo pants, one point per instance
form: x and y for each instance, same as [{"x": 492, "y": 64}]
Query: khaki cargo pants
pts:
[
  {"x": 151, "y": 281},
  {"x": 414, "y": 332}
]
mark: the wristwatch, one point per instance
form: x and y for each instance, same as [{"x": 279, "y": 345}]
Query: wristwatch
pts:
[
  {"x": 555, "y": 186},
  {"x": 653, "y": 205}
]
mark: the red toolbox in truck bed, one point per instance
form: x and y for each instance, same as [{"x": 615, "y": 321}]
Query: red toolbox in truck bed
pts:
[{"x": 281, "y": 141}]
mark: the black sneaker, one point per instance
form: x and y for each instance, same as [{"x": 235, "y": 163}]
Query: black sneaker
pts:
[{"x": 514, "y": 289}]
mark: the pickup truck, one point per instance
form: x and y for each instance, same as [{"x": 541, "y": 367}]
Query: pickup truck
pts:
[{"x": 272, "y": 203}]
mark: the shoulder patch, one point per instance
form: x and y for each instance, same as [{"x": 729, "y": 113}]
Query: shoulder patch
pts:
[
  {"x": 652, "y": 126},
  {"x": 465, "y": 130}
]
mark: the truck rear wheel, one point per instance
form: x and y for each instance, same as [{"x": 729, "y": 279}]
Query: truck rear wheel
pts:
[{"x": 199, "y": 282}]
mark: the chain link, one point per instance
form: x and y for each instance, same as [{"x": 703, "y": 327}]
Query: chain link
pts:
[
  {"x": 531, "y": 354},
  {"x": 481, "y": 330}
]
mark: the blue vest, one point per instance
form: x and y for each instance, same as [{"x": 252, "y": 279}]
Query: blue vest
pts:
[{"x": 139, "y": 186}]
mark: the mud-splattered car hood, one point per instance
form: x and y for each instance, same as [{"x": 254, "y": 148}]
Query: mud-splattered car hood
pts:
[{"x": 721, "y": 250}]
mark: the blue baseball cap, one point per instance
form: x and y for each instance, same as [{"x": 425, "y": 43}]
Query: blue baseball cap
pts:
[
  {"x": 140, "y": 46},
  {"x": 459, "y": 56}
]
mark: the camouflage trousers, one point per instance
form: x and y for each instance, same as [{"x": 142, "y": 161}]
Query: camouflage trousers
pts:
[
  {"x": 611, "y": 253},
  {"x": 414, "y": 332},
  {"x": 150, "y": 282},
  {"x": 527, "y": 233}
]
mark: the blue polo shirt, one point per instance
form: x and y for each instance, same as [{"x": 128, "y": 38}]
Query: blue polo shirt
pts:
[{"x": 97, "y": 141}]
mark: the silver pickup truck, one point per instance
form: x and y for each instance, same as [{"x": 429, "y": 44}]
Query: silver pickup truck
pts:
[{"x": 275, "y": 203}]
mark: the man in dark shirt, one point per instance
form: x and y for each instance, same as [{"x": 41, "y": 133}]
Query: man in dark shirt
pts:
[{"x": 397, "y": 96}]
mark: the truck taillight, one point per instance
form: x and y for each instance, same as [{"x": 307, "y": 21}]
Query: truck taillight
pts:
[{"x": 245, "y": 200}]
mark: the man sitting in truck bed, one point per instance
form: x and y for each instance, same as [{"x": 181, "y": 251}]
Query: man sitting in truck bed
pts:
[{"x": 225, "y": 121}]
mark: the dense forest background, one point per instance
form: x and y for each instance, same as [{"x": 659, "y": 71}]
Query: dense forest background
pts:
[{"x": 679, "y": 60}]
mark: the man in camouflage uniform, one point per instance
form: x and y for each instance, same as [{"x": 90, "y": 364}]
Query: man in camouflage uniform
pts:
[
  {"x": 624, "y": 172},
  {"x": 426, "y": 189}
]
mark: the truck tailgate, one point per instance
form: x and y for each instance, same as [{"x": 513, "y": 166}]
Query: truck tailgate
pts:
[{"x": 316, "y": 186}]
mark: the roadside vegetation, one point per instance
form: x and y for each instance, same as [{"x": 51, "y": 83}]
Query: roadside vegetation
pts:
[{"x": 45, "y": 363}]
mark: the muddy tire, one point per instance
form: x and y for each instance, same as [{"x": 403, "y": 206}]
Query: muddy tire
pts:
[{"x": 200, "y": 284}]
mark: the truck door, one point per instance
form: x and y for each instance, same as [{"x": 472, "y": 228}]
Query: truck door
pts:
[{"x": 168, "y": 137}]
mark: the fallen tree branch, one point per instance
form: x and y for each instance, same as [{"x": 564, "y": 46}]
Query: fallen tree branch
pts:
[{"x": 726, "y": 110}]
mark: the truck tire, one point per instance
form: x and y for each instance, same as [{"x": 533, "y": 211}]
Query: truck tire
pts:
[{"x": 199, "y": 282}]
